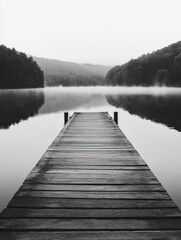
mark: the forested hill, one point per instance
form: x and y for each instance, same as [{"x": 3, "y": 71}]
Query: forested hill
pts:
[
  {"x": 71, "y": 74},
  {"x": 18, "y": 71},
  {"x": 161, "y": 68}
]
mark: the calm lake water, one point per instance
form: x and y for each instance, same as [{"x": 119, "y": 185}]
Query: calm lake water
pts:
[{"x": 31, "y": 119}]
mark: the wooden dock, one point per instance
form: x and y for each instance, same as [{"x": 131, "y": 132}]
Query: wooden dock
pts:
[{"x": 91, "y": 184}]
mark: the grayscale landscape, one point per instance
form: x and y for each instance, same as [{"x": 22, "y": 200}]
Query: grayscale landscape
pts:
[{"x": 90, "y": 119}]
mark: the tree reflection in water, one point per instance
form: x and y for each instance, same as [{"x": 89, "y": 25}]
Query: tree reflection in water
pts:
[
  {"x": 165, "y": 109},
  {"x": 17, "y": 105}
]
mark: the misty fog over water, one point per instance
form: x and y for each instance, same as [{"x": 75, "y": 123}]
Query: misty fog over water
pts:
[{"x": 31, "y": 119}]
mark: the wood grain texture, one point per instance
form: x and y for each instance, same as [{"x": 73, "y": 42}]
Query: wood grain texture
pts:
[
  {"x": 92, "y": 235},
  {"x": 22, "y": 202},
  {"x": 90, "y": 224},
  {"x": 90, "y": 213},
  {"x": 91, "y": 184},
  {"x": 99, "y": 188},
  {"x": 94, "y": 195}
]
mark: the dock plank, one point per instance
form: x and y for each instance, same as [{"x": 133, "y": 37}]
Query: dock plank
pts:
[
  {"x": 99, "y": 188},
  {"x": 92, "y": 235},
  {"x": 90, "y": 213},
  {"x": 90, "y": 224},
  {"x": 88, "y": 203},
  {"x": 94, "y": 195}
]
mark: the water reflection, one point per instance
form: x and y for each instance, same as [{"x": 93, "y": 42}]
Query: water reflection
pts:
[
  {"x": 160, "y": 105},
  {"x": 165, "y": 109},
  {"x": 18, "y": 105},
  {"x": 57, "y": 100}
]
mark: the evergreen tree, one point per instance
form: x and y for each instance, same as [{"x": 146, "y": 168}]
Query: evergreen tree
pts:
[{"x": 18, "y": 71}]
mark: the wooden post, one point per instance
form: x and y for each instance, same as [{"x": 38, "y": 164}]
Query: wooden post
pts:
[
  {"x": 66, "y": 117},
  {"x": 116, "y": 117}
]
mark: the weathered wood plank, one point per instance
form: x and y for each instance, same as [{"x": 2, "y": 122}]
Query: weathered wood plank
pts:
[
  {"x": 101, "y": 160},
  {"x": 99, "y": 188},
  {"x": 88, "y": 203},
  {"x": 56, "y": 168},
  {"x": 46, "y": 180},
  {"x": 119, "y": 176},
  {"x": 99, "y": 195},
  {"x": 92, "y": 235},
  {"x": 107, "y": 174},
  {"x": 90, "y": 179},
  {"x": 90, "y": 224},
  {"x": 95, "y": 153},
  {"x": 90, "y": 213},
  {"x": 125, "y": 170}
]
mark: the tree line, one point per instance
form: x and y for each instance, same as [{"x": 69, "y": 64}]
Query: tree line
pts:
[
  {"x": 61, "y": 73},
  {"x": 68, "y": 80},
  {"x": 160, "y": 68},
  {"x": 19, "y": 71}
]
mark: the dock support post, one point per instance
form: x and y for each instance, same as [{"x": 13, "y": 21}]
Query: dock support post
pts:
[
  {"x": 66, "y": 117},
  {"x": 116, "y": 117}
]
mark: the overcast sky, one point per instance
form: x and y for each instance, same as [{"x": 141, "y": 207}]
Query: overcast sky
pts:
[{"x": 89, "y": 31}]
